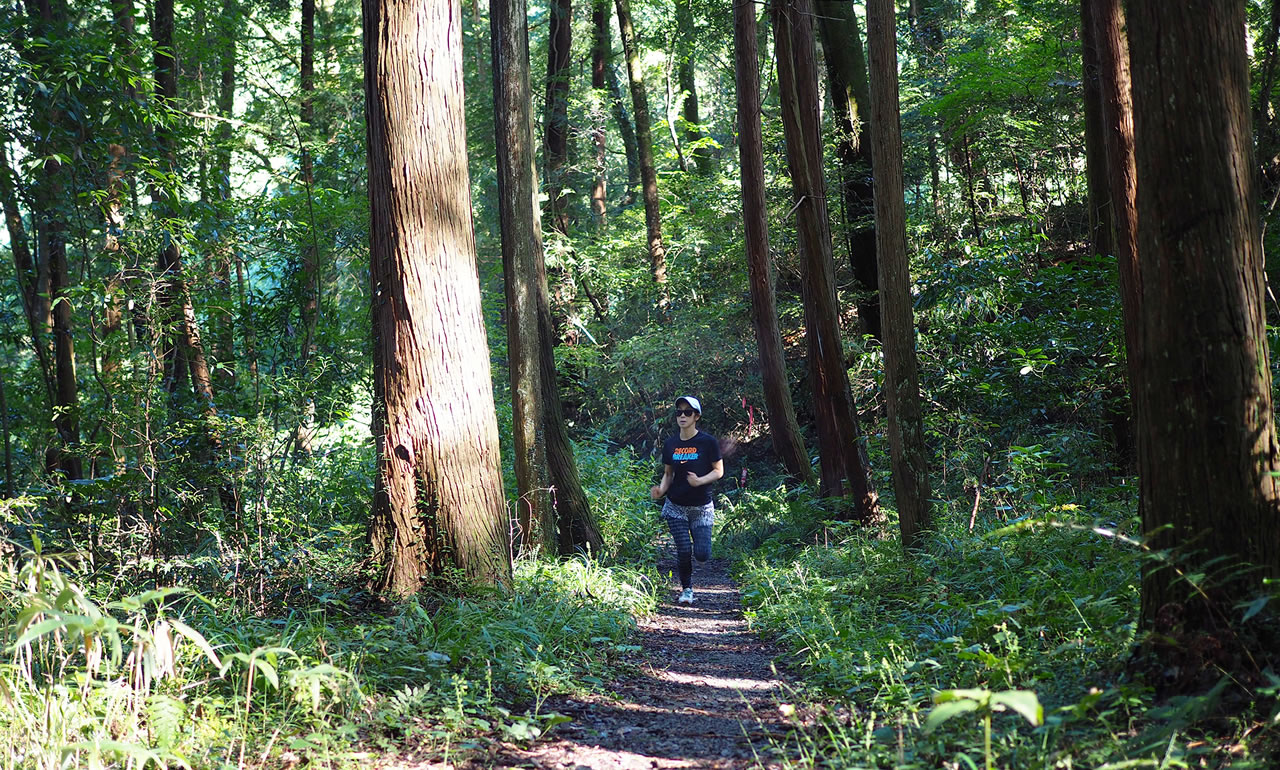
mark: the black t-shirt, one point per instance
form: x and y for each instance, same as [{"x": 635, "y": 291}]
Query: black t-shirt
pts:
[{"x": 695, "y": 455}]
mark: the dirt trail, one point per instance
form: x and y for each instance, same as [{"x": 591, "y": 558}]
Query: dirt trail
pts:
[{"x": 704, "y": 695}]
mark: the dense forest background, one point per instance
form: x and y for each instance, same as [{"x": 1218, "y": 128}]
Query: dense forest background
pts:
[{"x": 196, "y": 571}]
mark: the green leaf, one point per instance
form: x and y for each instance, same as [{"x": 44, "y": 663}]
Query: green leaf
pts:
[
  {"x": 947, "y": 710},
  {"x": 196, "y": 638},
  {"x": 944, "y": 696},
  {"x": 1255, "y": 607},
  {"x": 1024, "y": 702},
  {"x": 39, "y": 630}
]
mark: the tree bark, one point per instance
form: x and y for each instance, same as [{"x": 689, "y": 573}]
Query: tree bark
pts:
[
  {"x": 66, "y": 418},
  {"x": 33, "y": 304},
  {"x": 553, "y": 508},
  {"x": 599, "y": 63},
  {"x": 686, "y": 78},
  {"x": 52, "y": 277},
  {"x": 847, "y": 73},
  {"x": 8, "y": 449},
  {"x": 644, "y": 145},
  {"x": 1120, "y": 203},
  {"x": 523, "y": 267},
  {"x": 783, "y": 427},
  {"x": 187, "y": 347},
  {"x": 438, "y": 503},
  {"x": 309, "y": 277},
  {"x": 903, "y": 413},
  {"x": 1095, "y": 150},
  {"x": 839, "y": 439},
  {"x": 559, "y": 45},
  {"x": 224, "y": 251},
  {"x": 626, "y": 132},
  {"x": 1208, "y": 455}
]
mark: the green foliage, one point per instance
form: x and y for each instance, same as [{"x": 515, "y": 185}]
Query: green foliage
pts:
[{"x": 193, "y": 683}]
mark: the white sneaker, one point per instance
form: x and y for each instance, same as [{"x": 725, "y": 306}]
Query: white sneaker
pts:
[{"x": 686, "y": 596}]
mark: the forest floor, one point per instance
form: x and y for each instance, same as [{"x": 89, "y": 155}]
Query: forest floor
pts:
[{"x": 702, "y": 692}]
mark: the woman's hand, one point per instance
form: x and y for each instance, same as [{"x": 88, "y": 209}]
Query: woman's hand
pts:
[
  {"x": 655, "y": 491},
  {"x": 694, "y": 479}
]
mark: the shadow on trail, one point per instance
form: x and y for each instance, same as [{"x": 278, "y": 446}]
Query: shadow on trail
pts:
[{"x": 703, "y": 695}]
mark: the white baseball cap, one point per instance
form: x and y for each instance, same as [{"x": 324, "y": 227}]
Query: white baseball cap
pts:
[{"x": 694, "y": 403}]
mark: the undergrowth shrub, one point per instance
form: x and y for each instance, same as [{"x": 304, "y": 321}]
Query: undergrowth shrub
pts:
[
  {"x": 1044, "y": 607},
  {"x": 167, "y": 678},
  {"x": 1048, "y": 609}
]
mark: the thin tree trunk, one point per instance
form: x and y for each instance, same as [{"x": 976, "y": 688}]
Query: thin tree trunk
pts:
[
  {"x": 8, "y": 449},
  {"x": 523, "y": 267},
  {"x": 438, "y": 493},
  {"x": 927, "y": 36},
  {"x": 1264, "y": 126},
  {"x": 559, "y": 48},
  {"x": 686, "y": 78},
  {"x": 33, "y": 306},
  {"x": 847, "y": 72},
  {"x": 224, "y": 249},
  {"x": 1208, "y": 453},
  {"x": 67, "y": 391},
  {"x": 839, "y": 437},
  {"x": 309, "y": 280},
  {"x": 599, "y": 62},
  {"x": 1095, "y": 150},
  {"x": 971, "y": 193},
  {"x": 644, "y": 145},
  {"x": 188, "y": 349},
  {"x": 783, "y": 427},
  {"x": 1121, "y": 198},
  {"x": 52, "y": 275},
  {"x": 903, "y": 413},
  {"x": 626, "y": 132}
]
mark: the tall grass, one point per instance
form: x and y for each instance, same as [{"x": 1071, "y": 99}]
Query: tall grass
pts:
[
  {"x": 167, "y": 678},
  {"x": 1042, "y": 607}
]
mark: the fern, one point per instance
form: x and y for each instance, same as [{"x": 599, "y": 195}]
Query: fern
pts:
[{"x": 165, "y": 714}]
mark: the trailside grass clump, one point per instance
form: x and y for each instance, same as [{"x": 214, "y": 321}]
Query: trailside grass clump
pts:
[{"x": 1038, "y": 613}]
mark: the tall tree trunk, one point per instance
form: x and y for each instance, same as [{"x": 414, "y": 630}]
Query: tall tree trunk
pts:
[
  {"x": 1264, "y": 126},
  {"x": 66, "y": 419},
  {"x": 927, "y": 36},
  {"x": 438, "y": 494},
  {"x": 224, "y": 249},
  {"x": 970, "y": 182},
  {"x": 839, "y": 438},
  {"x": 1208, "y": 455},
  {"x": 47, "y": 20},
  {"x": 33, "y": 304},
  {"x": 1265, "y": 131},
  {"x": 523, "y": 267},
  {"x": 187, "y": 349},
  {"x": 1122, "y": 193},
  {"x": 626, "y": 132},
  {"x": 1095, "y": 150},
  {"x": 559, "y": 45},
  {"x": 4, "y": 428},
  {"x": 686, "y": 77},
  {"x": 309, "y": 279},
  {"x": 903, "y": 413},
  {"x": 644, "y": 145},
  {"x": 847, "y": 71},
  {"x": 599, "y": 63},
  {"x": 783, "y": 427}
]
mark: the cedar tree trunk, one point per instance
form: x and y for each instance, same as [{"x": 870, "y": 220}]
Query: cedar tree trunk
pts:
[
  {"x": 907, "y": 450},
  {"x": 783, "y": 427},
  {"x": 438, "y": 503}
]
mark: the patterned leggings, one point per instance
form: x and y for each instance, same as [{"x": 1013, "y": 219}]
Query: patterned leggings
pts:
[{"x": 690, "y": 527}]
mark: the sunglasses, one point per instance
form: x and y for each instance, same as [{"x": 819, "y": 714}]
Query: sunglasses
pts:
[{"x": 685, "y": 412}]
